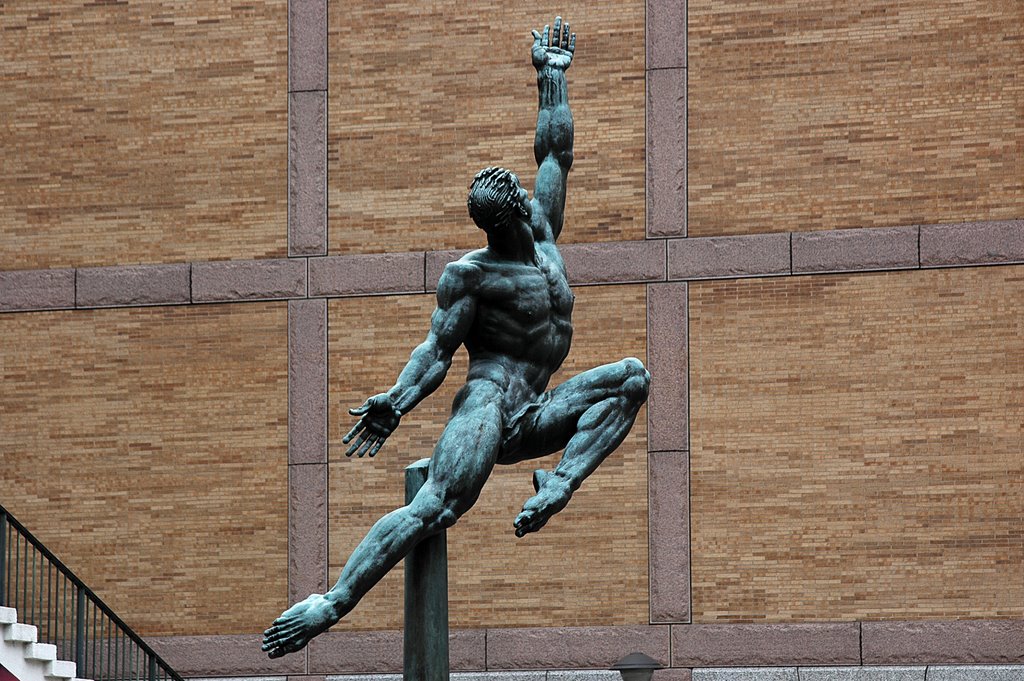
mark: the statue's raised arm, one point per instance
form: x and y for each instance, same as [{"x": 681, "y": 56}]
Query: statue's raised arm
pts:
[{"x": 552, "y": 146}]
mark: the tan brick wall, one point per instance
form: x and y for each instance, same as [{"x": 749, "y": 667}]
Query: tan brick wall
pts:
[
  {"x": 825, "y": 114},
  {"x": 857, "y": 446},
  {"x": 142, "y": 132},
  {"x": 587, "y": 567},
  {"x": 422, "y": 98},
  {"x": 148, "y": 449}
]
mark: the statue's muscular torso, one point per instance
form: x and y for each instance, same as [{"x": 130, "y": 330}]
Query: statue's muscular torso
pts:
[{"x": 522, "y": 327}]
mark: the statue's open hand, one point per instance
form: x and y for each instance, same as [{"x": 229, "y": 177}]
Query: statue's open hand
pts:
[
  {"x": 379, "y": 418},
  {"x": 554, "y": 48}
]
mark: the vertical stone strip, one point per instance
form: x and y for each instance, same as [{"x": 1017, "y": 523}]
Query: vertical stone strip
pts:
[
  {"x": 307, "y": 173},
  {"x": 307, "y": 381},
  {"x": 668, "y": 453},
  {"x": 307, "y": 45},
  {"x": 669, "y": 493},
  {"x": 666, "y": 34},
  {"x": 307, "y": 448},
  {"x": 667, "y": 355},
  {"x": 666, "y": 152}
]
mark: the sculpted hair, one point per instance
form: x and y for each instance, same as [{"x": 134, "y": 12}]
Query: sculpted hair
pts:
[{"x": 493, "y": 196}]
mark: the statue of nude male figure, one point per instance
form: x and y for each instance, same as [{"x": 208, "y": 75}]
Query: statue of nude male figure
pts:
[{"x": 511, "y": 306}]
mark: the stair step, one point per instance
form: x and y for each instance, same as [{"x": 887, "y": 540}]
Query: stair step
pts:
[
  {"x": 44, "y": 652},
  {"x": 8, "y": 615},
  {"x": 23, "y": 633},
  {"x": 62, "y": 669}
]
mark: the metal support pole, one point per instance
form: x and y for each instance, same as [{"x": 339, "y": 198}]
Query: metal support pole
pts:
[
  {"x": 426, "y": 597},
  {"x": 80, "y": 631}
]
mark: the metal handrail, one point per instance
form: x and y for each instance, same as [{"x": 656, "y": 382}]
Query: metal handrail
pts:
[{"x": 43, "y": 589}]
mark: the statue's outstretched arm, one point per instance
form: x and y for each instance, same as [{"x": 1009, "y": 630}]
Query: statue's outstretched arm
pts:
[
  {"x": 552, "y": 146},
  {"x": 428, "y": 365}
]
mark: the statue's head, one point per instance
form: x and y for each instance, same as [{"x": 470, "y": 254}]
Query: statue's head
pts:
[{"x": 496, "y": 199}]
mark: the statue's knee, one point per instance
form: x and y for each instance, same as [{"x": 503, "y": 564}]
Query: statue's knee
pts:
[
  {"x": 435, "y": 513},
  {"x": 636, "y": 384}
]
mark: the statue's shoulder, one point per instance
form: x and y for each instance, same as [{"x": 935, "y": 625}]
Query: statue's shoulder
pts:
[{"x": 460, "y": 277}]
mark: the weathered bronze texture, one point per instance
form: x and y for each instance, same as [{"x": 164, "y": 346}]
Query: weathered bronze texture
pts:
[{"x": 510, "y": 305}]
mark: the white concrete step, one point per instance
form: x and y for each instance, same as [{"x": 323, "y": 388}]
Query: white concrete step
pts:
[
  {"x": 44, "y": 652},
  {"x": 61, "y": 669},
  {"x": 21, "y": 633},
  {"x": 27, "y": 659}
]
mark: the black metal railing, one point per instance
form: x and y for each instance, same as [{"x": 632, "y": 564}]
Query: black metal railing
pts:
[{"x": 68, "y": 614}]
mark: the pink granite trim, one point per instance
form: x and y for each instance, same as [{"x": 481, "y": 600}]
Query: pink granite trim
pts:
[
  {"x": 133, "y": 285},
  {"x": 854, "y": 250},
  {"x": 233, "y": 280},
  {"x": 768, "y": 645},
  {"x": 723, "y": 257},
  {"x": 668, "y": 362},
  {"x": 307, "y": 45},
  {"x": 307, "y": 381},
  {"x": 973, "y": 243},
  {"x": 307, "y": 173},
  {"x": 372, "y": 274},
  {"x": 307, "y": 531},
  {"x": 669, "y": 509},
  {"x": 366, "y": 652},
  {"x": 666, "y": 34},
  {"x": 573, "y": 647},
  {"x": 235, "y": 655},
  {"x": 616, "y": 262},
  {"x": 952, "y": 642},
  {"x": 666, "y": 152},
  {"x": 28, "y": 290}
]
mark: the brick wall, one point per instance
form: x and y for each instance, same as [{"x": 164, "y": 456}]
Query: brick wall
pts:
[
  {"x": 148, "y": 449},
  {"x": 856, "y": 447},
  {"x": 825, "y": 115},
  {"x": 410, "y": 124},
  {"x": 142, "y": 132}
]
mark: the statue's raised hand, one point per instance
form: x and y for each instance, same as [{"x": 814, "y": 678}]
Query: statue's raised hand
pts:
[
  {"x": 554, "y": 48},
  {"x": 378, "y": 419}
]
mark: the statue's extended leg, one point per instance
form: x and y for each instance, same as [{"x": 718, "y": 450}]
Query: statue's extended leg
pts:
[
  {"x": 590, "y": 415},
  {"x": 459, "y": 467}
]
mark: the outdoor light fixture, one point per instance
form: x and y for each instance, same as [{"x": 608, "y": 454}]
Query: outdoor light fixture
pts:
[{"x": 636, "y": 667}]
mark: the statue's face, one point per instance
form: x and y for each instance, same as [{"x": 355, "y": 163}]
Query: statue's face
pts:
[{"x": 525, "y": 207}]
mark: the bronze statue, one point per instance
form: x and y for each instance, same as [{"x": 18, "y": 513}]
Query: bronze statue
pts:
[{"x": 510, "y": 305}]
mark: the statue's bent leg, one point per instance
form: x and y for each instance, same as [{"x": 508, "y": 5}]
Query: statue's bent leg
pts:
[
  {"x": 590, "y": 415},
  {"x": 459, "y": 467}
]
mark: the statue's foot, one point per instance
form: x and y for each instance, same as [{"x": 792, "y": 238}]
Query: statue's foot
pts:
[
  {"x": 553, "y": 493},
  {"x": 298, "y": 625}
]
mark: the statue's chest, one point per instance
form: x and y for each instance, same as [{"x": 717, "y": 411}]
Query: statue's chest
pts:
[{"x": 531, "y": 295}]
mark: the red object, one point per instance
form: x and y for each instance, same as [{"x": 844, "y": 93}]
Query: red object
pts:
[{"x": 6, "y": 675}]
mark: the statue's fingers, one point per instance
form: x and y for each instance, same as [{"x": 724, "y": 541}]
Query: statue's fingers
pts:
[
  {"x": 376, "y": 447},
  {"x": 572, "y": 43},
  {"x": 556, "y": 34},
  {"x": 547, "y": 30},
  {"x": 536, "y": 38},
  {"x": 362, "y": 438},
  {"x": 565, "y": 36},
  {"x": 367, "y": 443},
  {"x": 361, "y": 409},
  {"x": 355, "y": 431}
]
